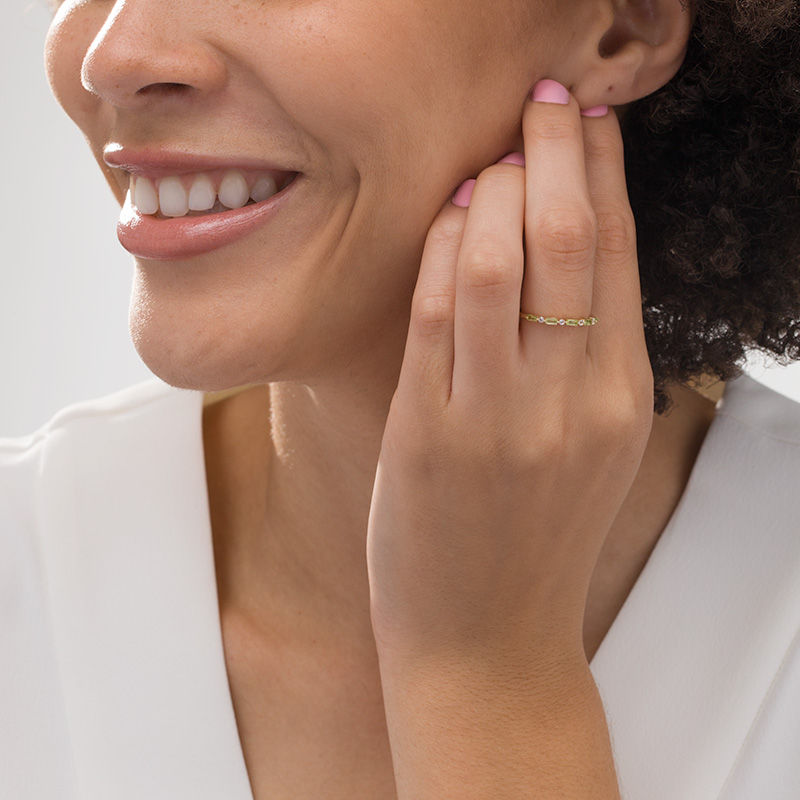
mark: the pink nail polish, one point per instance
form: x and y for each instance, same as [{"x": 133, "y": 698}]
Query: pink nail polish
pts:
[
  {"x": 595, "y": 111},
  {"x": 550, "y": 91},
  {"x": 463, "y": 194},
  {"x": 513, "y": 158}
]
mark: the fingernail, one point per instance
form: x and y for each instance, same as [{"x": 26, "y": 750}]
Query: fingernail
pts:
[
  {"x": 595, "y": 111},
  {"x": 513, "y": 158},
  {"x": 549, "y": 91},
  {"x": 463, "y": 194}
]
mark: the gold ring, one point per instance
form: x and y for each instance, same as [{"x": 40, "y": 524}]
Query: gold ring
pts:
[{"x": 580, "y": 322}]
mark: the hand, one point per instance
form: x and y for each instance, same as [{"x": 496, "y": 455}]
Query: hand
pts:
[{"x": 510, "y": 445}]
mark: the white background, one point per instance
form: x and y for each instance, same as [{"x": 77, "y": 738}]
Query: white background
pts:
[{"x": 65, "y": 280}]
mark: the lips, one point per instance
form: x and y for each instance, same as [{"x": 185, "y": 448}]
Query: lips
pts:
[
  {"x": 160, "y": 163},
  {"x": 150, "y": 237},
  {"x": 177, "y": 236}
]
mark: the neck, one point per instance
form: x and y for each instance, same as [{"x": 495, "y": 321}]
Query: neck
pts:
[{"x": 290, "y": 471}]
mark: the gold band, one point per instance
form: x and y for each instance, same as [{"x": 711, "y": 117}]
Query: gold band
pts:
[{"x": 581, "y": 322}]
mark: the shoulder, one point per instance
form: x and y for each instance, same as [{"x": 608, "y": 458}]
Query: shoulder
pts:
[
  {"x": 759, "y": 408},
  {"x": 750, "y": 467},
  {"x": 94, "y": 425},
  {"x": 55, "y": 485},
  {"x": 132, "y": 401},
  {"x": 84, "y": 448}
]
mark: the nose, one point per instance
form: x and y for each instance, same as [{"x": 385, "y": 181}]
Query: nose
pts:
[{"x": 150, "y": 51}]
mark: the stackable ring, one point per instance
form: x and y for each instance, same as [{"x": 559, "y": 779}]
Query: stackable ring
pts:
[{"x": 580, "y": 322}]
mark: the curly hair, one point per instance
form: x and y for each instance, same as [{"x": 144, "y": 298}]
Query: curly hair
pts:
[{"x": 713, "y": 169}]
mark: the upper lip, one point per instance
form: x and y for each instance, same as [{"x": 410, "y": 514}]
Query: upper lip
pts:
[{"x": 160, "y": 163}]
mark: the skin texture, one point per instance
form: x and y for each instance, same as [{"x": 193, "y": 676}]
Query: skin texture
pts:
[{"x": 385, "y": 109}]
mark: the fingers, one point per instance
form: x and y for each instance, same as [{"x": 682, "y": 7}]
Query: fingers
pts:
[
  {"x": 464, "y": 326},
  {"x": 560, "y": 230},
  {"x": 617, "y": 299},
  {"x": 554, "y": 237},
  {"x": 427, "y": 369},
  {"x": 488, "y": 280}
]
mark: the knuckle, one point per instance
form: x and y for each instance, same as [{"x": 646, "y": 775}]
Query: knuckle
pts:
[
  {"x": 629, "y": 417},
  {"x": 567, "y": 235},
  {"x": 616, "y": 232},
  {"x": 625, "y": 413},
  {"x": 433, "y": 313},
  {"x": 486, "y": 269},
  {"x": 548, "y": 130},
  {"x": 446, "y": 229},
  {"x": 501, "y": 175},
  {"x": 544, "y": 442},
  {"x": 604, "y": 145},
  {"x": 548, "y": 446}
]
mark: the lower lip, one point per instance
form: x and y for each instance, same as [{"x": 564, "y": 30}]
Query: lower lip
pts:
[{"x": 146, "y": 236}]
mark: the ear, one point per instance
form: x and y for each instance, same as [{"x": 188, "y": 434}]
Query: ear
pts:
[{"x": 636, "y": 48}]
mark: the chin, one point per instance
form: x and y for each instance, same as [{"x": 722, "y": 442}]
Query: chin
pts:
[
  {"x": 207, "y": 337},
  {"x": 184, "y": 371},
  {"x": 199, "y": 357}
]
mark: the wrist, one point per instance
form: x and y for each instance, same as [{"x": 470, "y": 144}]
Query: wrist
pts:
[
  {"x": 551, "y": 646},
  {"x": 543, "y": 669}
]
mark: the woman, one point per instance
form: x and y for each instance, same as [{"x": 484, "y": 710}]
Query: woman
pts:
[{"x": 381, "y": 548}]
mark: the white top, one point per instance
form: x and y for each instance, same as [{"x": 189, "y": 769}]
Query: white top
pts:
[{"x": 112, "y": 674}]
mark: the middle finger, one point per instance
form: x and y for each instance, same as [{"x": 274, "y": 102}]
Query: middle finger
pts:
[
  {"x": 488, "y": 280},
  {"x": 560, "y": 230}
]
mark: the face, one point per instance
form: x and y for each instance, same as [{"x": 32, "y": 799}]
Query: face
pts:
[{"x": 381, "y": 108}]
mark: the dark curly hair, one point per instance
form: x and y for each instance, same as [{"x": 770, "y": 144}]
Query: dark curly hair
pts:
[{"x": 713, "y": 168}]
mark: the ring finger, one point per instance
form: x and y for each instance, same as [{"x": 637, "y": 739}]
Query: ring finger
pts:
[{"x": 560, "y": 231}]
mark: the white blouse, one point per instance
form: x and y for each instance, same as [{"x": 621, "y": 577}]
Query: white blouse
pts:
[{"x": 113, "y": 683}]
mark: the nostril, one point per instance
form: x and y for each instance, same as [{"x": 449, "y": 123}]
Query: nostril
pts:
[{"x": 165, "y": 88}]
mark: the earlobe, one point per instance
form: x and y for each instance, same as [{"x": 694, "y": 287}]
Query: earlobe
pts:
[{"x": 638, "y": 53}]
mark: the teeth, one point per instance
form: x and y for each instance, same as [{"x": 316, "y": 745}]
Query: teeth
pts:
[
  {"x": 264, "y": 187},
  {"x": 202, "y": 195},
  {"x": 144, "y": 195},
  {"x": 172, "y": 198},
  {"x": 233, "y": 191}
]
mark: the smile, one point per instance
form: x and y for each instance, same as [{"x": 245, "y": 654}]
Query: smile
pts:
[
  {"x": 181, "y": 216},
  {"x": 203, "y": 192}
]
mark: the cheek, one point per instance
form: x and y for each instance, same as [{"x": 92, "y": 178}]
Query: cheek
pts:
[
  {"x": 71, "y": 32},
  {"x": 364, "y": 77}
]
